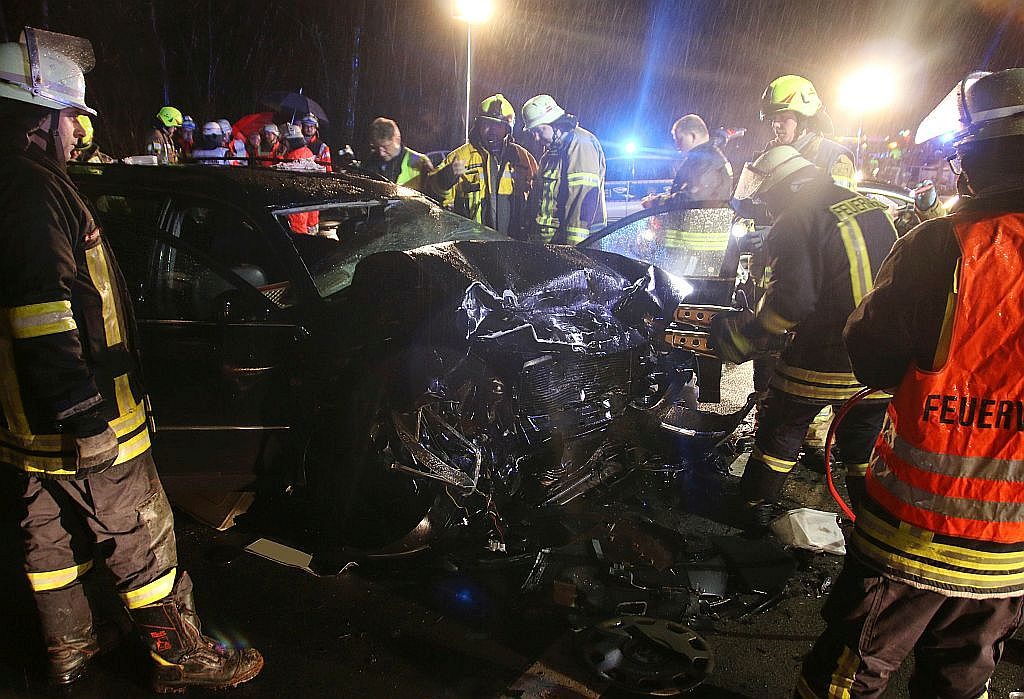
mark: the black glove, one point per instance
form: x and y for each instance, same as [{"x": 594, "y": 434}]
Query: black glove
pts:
[
  {"x": 96, "y": 446},
  {"x": 728, "y": 339}
]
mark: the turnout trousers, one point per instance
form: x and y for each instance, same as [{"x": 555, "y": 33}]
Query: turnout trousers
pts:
[
  {"x": 783, "y": 424},
  {"x": 122, "y": 511},
  {"x": 874, "y": 622}
]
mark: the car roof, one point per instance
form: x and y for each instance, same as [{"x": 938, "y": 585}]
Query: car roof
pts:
[{"x": 262, "y": 187}]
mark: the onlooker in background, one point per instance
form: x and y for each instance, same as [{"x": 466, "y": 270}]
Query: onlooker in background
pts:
[
  {"x": 393, "y": 160},
  {"x": 936, "y": 557},
  {"x": 86, "y": 149},
  {"x": 160, "y": 138},
  {"x": 488, "y": 179},
  {"x": 311, "y": 130},
  {"x": 305, "y": 222},
  {"x": 270, "y": 148},
  {"x": 704, "y": 173},
  {"x": 233, "y": 142},
  {"x": 568, "y": 202},
  {"x": 185, "y": 138},
  {"x": 211, "y": 150},
  {"x": 73, "y": 392}
]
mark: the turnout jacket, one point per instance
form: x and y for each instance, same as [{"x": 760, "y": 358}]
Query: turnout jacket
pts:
[
  {"x": 66, "y": 345},
  {"x": 824, "y": 251},
  {"x": 835, "y": 159},
  {"x": 705, "y": 174},
  {"x": 494, "y": 189},
  {"x": 945, "y": 500},
  {"x": 568, "y": 201}
]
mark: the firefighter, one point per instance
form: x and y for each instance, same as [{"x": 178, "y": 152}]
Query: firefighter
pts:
[
  {"x": 160, "y": 138},
  {"x": 212, "y": 150},
  {"x": 798, "y": 118},
  {"x": 568, "y": 202},
  {"x": 73, "y": 419},
  {"x": 86, "y": 148},
  {"x": 271, "y": 149},
  {"x": 185, "y": 137},
  {"x": 927, "y": 204},
  {"x": 488, "y": 179},
  {"x": 704, "y": 174},
  {"x": 393, "y": 160},
  {"x": 825, "y": 247},
  {"x": 936, "y": 562},
  {"x": 233, "y": 142},
  {"x": 311, "y": 131}
]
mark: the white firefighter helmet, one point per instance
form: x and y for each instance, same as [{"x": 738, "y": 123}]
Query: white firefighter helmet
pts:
[
  {"x": 47, "y": 69},
  {"x": 212, "y": 128},
  {"x": 945, "y": 117},
  {"x": 771, "y": 167},
  {"x": 539, "y": 110},
  {"x": 991, "y": 107}
]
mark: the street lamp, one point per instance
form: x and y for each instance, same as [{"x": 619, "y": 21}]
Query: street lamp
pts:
[
  {"x": 471, "y": 12},
  {"x": 870, "y": 89}
]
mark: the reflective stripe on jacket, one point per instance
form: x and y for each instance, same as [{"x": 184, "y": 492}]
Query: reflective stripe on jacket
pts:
[
  {"x": 569, "y": 197},
  {"x": 65, "y": 324}
]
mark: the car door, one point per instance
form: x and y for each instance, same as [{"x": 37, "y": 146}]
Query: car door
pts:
[{"x": 215, "y": 320}]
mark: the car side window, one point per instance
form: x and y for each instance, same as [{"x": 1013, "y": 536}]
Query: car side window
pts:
[
  {"x": 129, "y": 224},
  {"x": 192, "y": 282}
]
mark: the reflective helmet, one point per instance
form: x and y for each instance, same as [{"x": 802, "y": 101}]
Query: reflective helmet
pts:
[
  {"x": 170, "y": 116},
  {"x": 539, "y": 110},
  {"x": 225, "y": 126},
  {"x": 991, "y": 107},
  {"x": 311, "y": 120},
  {"x": 86, "y": 140},
  {"x": 293, "y": 135},
  {"x": 790, "y": 93},
  {"x": 271, "y": 128},
  {"x": 771, "y": 167},
  {"x": 47, "y": 69},
  {"x": 188, "y": 123},
  {"x": 212, "y": 128},
  {"x": 497, "y": 108}
]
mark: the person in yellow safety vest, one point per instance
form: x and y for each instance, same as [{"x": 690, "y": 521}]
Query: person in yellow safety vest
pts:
[
  {"x": 568, "y": 201},
  {"x": 489, "y": 179},
  {"x": 791, "y": 105},
  {"x": 936, "y": 557},
  {"x": 393, "y": 160},
  {"x": 73, "y": 412}
]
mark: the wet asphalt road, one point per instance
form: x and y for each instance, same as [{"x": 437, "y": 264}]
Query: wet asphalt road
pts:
[{"x": 459, "y": 625}]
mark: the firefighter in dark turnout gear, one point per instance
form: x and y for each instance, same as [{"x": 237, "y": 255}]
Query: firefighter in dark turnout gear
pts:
[
  {"x": 489, "y": 179},
  {"x": 825, "y": 247},
  {"x": 73, "y": 415},
  {"x": 936, "y": 560}
]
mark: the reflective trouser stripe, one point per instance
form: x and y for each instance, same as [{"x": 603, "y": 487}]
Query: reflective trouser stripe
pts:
[
  {"x": 842, "y": 679},
  {"x": 40, "y": 319},
  {"x": 56, "y": 579},
  {"x": 99, "y": 272},
  {"x": 151, "y": 592},
  {"x": 774, "y": 463}
]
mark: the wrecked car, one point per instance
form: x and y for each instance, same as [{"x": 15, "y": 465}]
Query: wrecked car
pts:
[{"x": 415, "y": 371}]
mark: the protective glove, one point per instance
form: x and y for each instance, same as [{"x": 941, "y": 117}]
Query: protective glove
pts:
[
  {"x": 96, "y": 446},
  {"x": 728, "y": 339}
]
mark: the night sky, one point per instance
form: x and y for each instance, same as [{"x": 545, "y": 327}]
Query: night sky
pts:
[{"x": 626, "y": 68}]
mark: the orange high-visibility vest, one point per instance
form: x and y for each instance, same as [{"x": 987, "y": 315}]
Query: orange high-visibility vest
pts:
[{"x": 950, "y": 458}]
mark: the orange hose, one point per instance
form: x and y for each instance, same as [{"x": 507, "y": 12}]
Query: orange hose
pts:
[{"x": 830, "y": 438}]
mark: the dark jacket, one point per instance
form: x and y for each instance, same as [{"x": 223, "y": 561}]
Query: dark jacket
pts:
[
  {"x": 66, "y": 338},
  {"x": 824, "y": 251},
  {"x": 704, "y": 175}
]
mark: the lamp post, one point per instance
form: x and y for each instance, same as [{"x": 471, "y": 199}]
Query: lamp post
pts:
[
  {"x": 471, "y": 12},
  {"x": 868, "y": 90}
]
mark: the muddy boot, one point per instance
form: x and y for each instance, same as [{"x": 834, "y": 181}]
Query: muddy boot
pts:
[
  {"x": 66, "y": 622},
  {"x": 184, "y": 657}
]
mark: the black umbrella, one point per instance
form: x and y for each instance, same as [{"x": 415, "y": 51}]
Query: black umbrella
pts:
[{"x": 296, "y": 103}]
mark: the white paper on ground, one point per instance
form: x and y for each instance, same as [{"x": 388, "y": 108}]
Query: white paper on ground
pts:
[
  {"x": 810, "y": 529},
  {"x": 286, "y": 555}
]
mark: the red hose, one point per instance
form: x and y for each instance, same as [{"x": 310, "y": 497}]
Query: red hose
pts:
[{"x": 830, "y": 438}]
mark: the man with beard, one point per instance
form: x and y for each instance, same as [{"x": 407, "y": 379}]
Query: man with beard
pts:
[
  {"x": 489, "y": 179},
  {"x": 568, "y": 202}
]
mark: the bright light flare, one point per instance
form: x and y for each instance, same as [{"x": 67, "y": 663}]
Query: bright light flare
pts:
[
  {"x": 473, "y": 11},
  {"x": 870, "y": 89},
  {"x": 631, "y": 147}
]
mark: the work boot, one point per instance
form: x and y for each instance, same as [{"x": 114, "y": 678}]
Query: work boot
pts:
[
  {"x": 66, "y": 622},
  {"x": 760, "y": 514},
  {"x": 186, "y": 658}
]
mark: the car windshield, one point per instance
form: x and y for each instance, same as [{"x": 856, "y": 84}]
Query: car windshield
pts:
[
  {"x": 682, "y": 242},
  {"x": 333, "y": 238}
]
